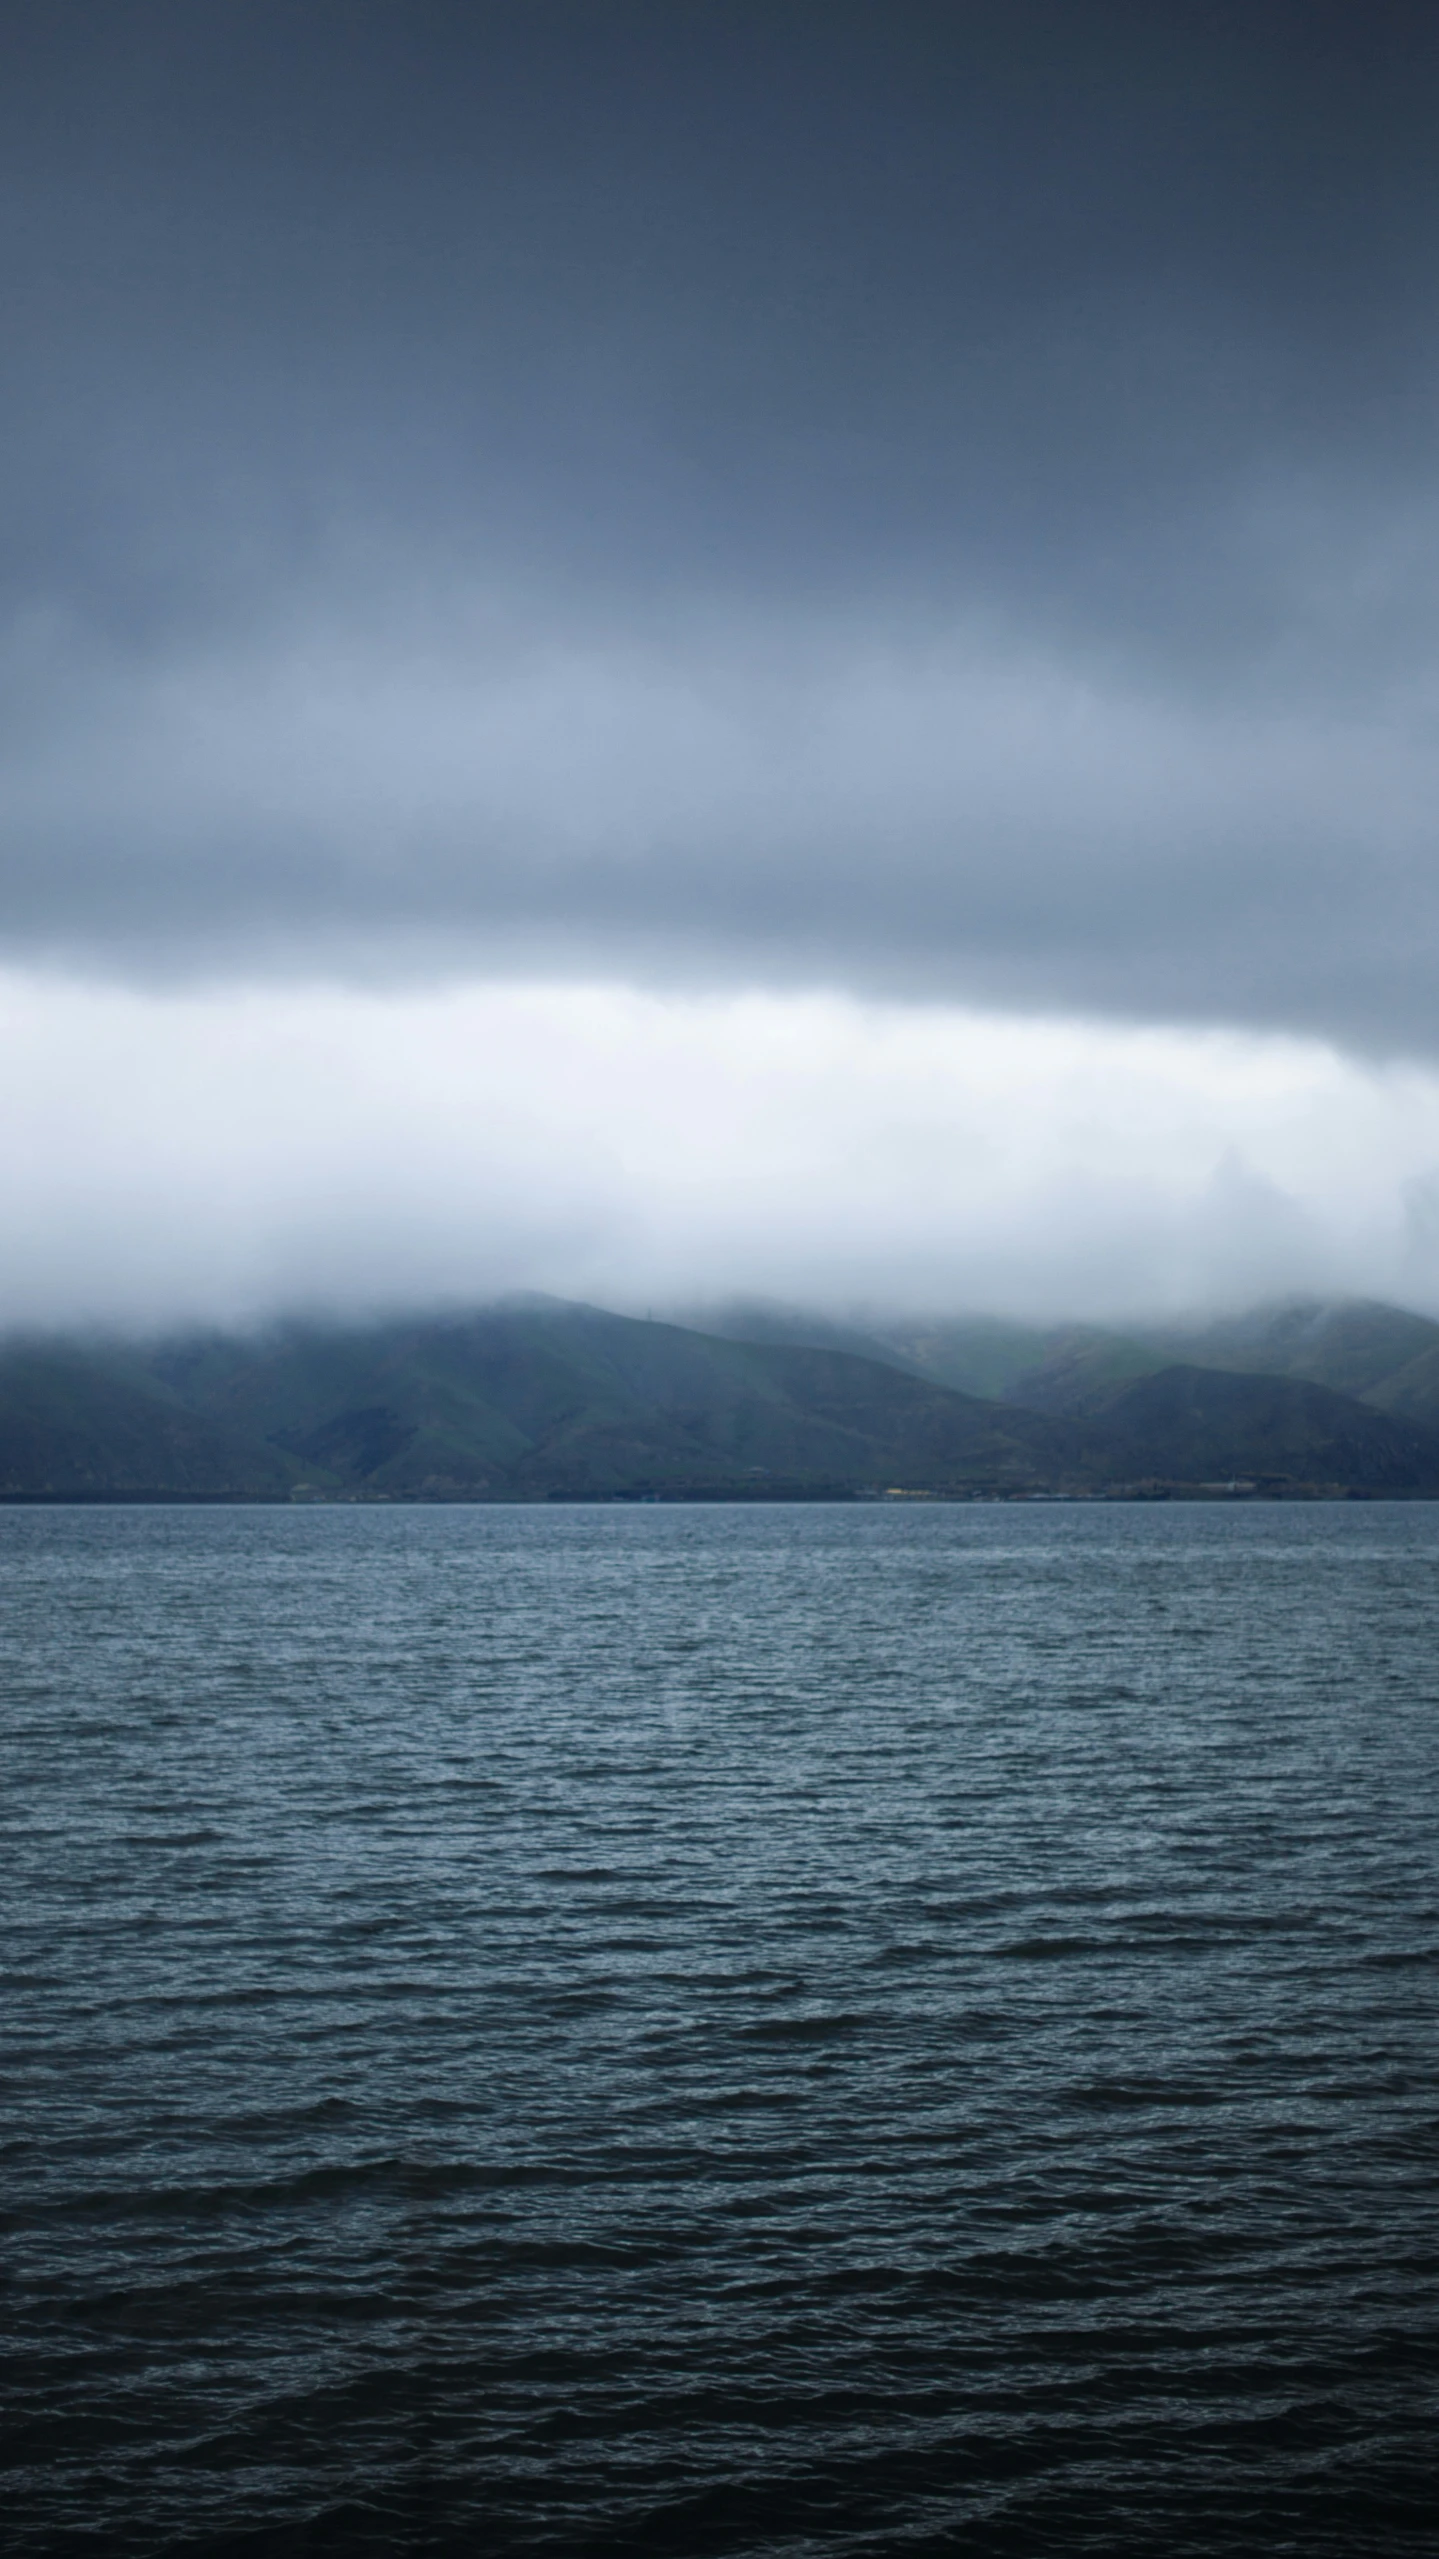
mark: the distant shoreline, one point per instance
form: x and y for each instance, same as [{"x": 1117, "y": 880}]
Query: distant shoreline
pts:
[{"x": 1186, "y": 1496}]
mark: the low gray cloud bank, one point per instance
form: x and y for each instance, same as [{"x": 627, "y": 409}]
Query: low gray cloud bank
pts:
[
  {"x": 922, "y": 501},
  {"x": 954, "y": 815}
]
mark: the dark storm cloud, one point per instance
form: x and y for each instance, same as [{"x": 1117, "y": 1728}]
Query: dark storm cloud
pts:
[{"x": 909, "y": 497}]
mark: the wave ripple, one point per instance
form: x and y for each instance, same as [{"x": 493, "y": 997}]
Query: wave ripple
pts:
[{"x": 797, "y": 2031}]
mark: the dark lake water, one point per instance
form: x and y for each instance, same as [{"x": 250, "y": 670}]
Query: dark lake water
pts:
[{"x": 678, "y": 2031}]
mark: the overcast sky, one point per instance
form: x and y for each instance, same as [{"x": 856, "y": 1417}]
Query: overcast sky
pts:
[{"x": 704, "y": 518}]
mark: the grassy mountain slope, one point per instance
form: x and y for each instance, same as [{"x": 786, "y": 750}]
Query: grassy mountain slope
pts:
[
  {"x": 976, "y": 1355},
  {"x": 1082, "y": 1368},
  {"x": 1412, "y": 1391},
  {"x": 551, "y": 1397},
  {"x": 74, "y": 1425},
  {"x": 741, "y": 1319},
  {"x": 1357, "y": 1346},
  {"x": 1203, "y": 1425},
  {"x": 1387, "y": 1356},
  {"x": 542, "y": 1398},
  {"x": 980, "y": 1355}
]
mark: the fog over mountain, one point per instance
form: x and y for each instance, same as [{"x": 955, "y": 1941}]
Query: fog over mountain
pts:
[
  {"x": 224, "y": 1153},
  {"x": 605, "y": 517}
]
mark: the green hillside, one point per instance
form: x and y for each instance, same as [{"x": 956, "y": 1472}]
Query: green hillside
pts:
[
  {"x": 976, "y": 1355},
  {"x": 1385, "y": 1355},
  {"x": 798, "y": 1328},
  {"x": 1207, "y": 1426},
  {"x": 1357, "y": 1346},
  {"x": 74, "y": 1426},
  {"x": 543, "y": 1400},
  {"x": 1082, "y": 1368},
  {"x": 1412, "y": 1391}
]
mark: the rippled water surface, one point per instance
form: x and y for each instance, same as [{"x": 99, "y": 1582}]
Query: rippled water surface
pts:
[{"x": 815, "y": 2030}]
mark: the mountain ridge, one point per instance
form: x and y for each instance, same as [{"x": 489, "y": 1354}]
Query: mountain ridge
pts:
[
  {"x": 540, "y": 1399},
  {"x": 1384, "y": 1355}
]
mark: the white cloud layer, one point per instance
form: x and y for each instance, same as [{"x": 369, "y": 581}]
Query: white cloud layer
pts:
[{"x": 227, "y": 1153}]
